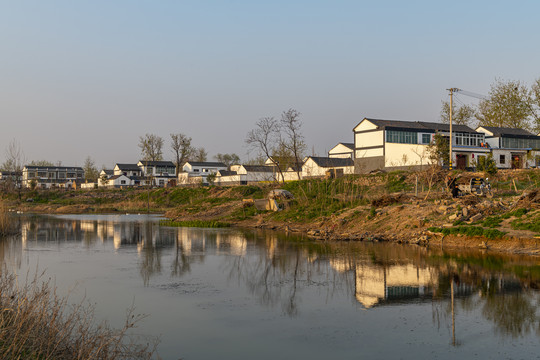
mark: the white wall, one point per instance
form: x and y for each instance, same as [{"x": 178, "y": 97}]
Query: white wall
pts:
[
  {"x": 310, "y": 168},
  {"x": 340, "y": 151},
  {"x": 405, "y": 155},
  {"x": 365, "y": 125},
  {"x": 374, "y": 138}
]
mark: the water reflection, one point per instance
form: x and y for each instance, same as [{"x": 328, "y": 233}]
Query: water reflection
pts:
[{"x": 278, "y": 270}]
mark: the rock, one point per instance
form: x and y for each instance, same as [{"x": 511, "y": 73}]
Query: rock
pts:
[
  {"x": 452, "y": 217},
  {"x": 465, "y": 212},
  {"x": 442, "y": 208},
  {"x": 476, "y": 217},
  {"x": 314, "y": 232}
]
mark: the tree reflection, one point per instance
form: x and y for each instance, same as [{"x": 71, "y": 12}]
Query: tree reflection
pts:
[{"x": 513, "y": 314}]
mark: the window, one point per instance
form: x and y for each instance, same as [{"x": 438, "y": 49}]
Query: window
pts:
[
  {"x": 70, "y": 175},
  {"x": 426, "y": 138},
  {"x": 42, "y": 174},
  {"x": 502, "y": 159},
  {"x": 195, "y": 170},
  {"x": 31, "y": 175},
  {"x": 515, "y": 143},
  {"x": 401, "y": 137},
  {"x": 123, "y": 182}
]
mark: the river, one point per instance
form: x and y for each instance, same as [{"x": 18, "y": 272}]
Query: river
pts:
[{"x": 247, "y": 294}]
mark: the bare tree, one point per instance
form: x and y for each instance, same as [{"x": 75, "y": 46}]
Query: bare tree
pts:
[
  {"x": 151, "y": 147},
  {"x": 264, "y": 138},
  {"x": 40, "y": 163},
  {"x": 228, "y": 159},
  {"x": 14, "y": 163},
  {"x": 182, "y": 149},
  {"x": 200, "y": 155},
  {"x": 293, "y": 139}
]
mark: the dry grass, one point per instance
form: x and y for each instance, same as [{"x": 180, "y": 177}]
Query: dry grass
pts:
[
  {"x": 36, "y": 323},
  {"x": 7, "y": 223}
]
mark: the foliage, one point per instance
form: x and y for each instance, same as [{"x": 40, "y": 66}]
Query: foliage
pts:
[
  {"x": 507, "y": 106},
  {"x": 462, "y": 115},
  {"x": 531, "y": 223},
  {"x": 91, "y": 172},
  {"x": 40, "y": 163},
  {"x": 469, "y": 231},
  {"x": 151, "y": 147},
  {"x": 438, "y": 150},
  {"x": 487, "y": 164},
  {"x": 195, "y": 223},
  {"x": 228, "y": 159}
]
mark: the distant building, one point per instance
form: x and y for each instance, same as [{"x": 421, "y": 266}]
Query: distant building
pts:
[
  {"x": 394, "y": 144},
  {"x": 342, "y": 150},
  {"x": 52, "y": 176},
  {"x": 512, "y": 148},
  {"x": 317, "y": 166}
]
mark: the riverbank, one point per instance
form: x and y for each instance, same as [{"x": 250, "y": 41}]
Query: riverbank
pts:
[{"x": 402, "y": 207}]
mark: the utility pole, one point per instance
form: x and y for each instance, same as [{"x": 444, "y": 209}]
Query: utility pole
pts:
[{"x": 452, "y": 91}]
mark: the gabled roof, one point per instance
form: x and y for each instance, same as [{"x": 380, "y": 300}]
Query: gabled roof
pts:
[
  {"x": 156, "y": 163},
  {"x": 327, "y": 162},
  {"x": 227, "y": 173},
  {"x": 128, "y": 167},
  {"x": 107, "y": 171},
  {"x": 53, "y": 168},
  {"x": 349, "y": 145},
  {"x": 418, "y": 126},
  {"x": 502, "y": 131},
  {"x": 117, "y": 176},
  {"x": 260, "y": 168},
  {"x": 207, "y": 164}
]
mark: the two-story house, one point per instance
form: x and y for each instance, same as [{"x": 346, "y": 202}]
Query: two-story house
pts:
[{"x": 52, "y": 176}]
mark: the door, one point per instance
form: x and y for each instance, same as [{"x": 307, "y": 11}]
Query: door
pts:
[
  {"x": 516, "y": 162},
  {"x": 461, "y": 161}
]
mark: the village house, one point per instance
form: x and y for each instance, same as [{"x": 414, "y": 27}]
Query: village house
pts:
[
  {"x": 342, "y": 150},
  {"x": 52, "y": 176},
  {"x": 393, "y": 144},
  {"x": 316, "y": 166},
  {"x": 162, "y": 173},
  {"x": 116, "y": 181},
  {"x": 512, "y": 148},
  {"x": 196, "y": 172}
]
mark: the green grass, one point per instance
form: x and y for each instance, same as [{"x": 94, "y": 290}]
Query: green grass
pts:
[
  {"x": 195, "y": 223},
  {"x": 530, "y": 222},
  {"x": 469, "y": 231}
]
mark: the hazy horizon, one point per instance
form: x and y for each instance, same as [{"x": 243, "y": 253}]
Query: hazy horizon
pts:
[{"x": 88, "y": 78}]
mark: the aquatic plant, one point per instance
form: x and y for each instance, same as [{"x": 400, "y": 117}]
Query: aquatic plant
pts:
[
  {"x": 8, "y": 225},
  {"x": 36, "y": 323},
  {"x": 195, "y": 223}
]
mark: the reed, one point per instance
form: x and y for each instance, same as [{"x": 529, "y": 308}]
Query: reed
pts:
[
  {"x": 8, "y": 224},
  {"x": 36, "y": 323}
]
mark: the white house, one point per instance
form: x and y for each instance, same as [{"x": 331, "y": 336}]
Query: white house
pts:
[
  {"x": 342, "y": 150},
  {"x": 512, "y": 148},
  {"x": 255, "y": 173},
  {"x": 195, "y": 172},
  {"x": 128, "y": 170},
  {"x": 393, "y": 144},
  {"x": 316, "y": 166},
  {"x": 52, "y": 176},
  {"x": 117, "y": 181},
  {"x": 162, "y": 173},
  {"x": 227, "y": 177}
]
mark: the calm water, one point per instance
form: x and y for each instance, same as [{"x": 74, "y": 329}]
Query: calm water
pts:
[{"x": 233, "y": 294}]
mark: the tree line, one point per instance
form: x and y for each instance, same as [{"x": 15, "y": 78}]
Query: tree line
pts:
[{"x": 510, "y": 103}]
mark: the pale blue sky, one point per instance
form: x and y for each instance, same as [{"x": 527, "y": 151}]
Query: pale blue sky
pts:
[{"x": 81, "y": 78}]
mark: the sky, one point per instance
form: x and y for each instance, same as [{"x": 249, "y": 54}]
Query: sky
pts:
[{"x": 88, "y": 78}]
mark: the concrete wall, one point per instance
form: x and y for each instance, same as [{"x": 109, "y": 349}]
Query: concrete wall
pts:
[
  {"x": 367, "y": 164},
  {"x": 405, "y": 155},
  {"x": 369, "y": 139}
]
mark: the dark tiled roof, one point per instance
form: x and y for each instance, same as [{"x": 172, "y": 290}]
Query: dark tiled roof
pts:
[
  {"x": 327, "y": 162},
  {"x": 227, "y": 173},
  {"x": 501, "y": 131},
  {"x": 208, "y": 164},
  {"x": 260, "y": 168},
  {"x": 349, "y": 145},
  {"x": 131, "y": 167},
  {"x": 108, "y": 171},
  {"x": 54, "y": 168},
  {"x": 419, "y": 125},
  {"x": 157, "y": 163}
]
